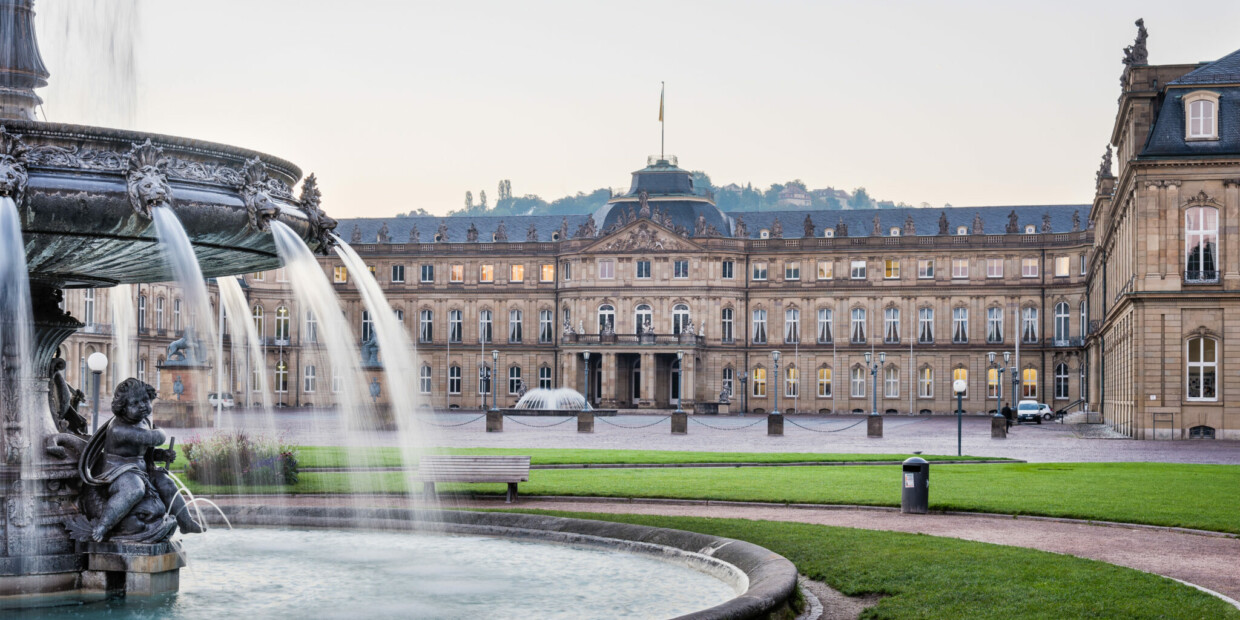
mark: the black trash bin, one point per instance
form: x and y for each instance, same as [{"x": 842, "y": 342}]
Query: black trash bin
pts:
[{"x": 915, "y": 483}]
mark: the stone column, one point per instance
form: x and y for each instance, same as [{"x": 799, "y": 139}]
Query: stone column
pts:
[
  {"x": 687, "y": 383},
  {"x": 648, "y": 380},
  {"x": 608, "y": 368}
]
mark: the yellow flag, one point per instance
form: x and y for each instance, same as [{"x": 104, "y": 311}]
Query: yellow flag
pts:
[{"x": 661, "y": 89}]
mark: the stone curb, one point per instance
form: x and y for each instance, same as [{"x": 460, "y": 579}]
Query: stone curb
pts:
[{"x": 769, "y": 579}]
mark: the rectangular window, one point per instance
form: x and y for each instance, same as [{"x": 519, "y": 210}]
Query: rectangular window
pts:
[
  {"x": 643, "y": 269},
  {"x": 566, "y": 271},
  {"x": 727, "y": 330},
  {"x": 1082, "y": 264},
  {"x": 457, "y": 274},
  {"x": 544, "y": 377},
  {"x": 1029, "y": 383},
  {"x": 454, "y": 379},
  {"x": 858, "y": 270},
  {"x": 759, "y": 271},
  {"x": 1063, "y": 264},
  {"x": 826, "y": 269},
  {"x": 891, "y": 269},
  {"x": 826, "y": 330},
  {"x": 728, "y": 270},
  {"x": 680, "y": 269},
  {"x": 759, "y": 382},
  {"x": 792, "y": 270},
  {"x": 792, "y": 382},
  {"x": 546, "y": 327},
  {"x": 994, "y": 325},
  {"x": 517, "y": 273},
  {"x": 1029, "y": 325},
  {"x": 398, "y": 273},
  {"x": 547, "y": 273},
  {"x": 857, "y": 385},
  {"x": 428, "y": 273},
  {"x": 514, "y": 380},
  {"x": 728, "y": 376},
  {"x": 891, "y": 382},
  {"x": 960, "y": 325},
  {"x": 515, "y": 332},
  {"x": 454, "y": 326},
  {"x": 858, "y": 326},
  {"x": 891, "y": 325},
  {"x": 960, "y": 268},
  {"x": 282, "y": 275},
  {"x": 486, "y": 273},
  {"x": 607, "y": 269},
  {"x": 484, "y": 326},
  {"x": 337, "y": 382},
  {"x": 994, "y": 268},
  {"x": 258, "y": 276},
  {"x": 925, "y": 383},
  {"x": 426, "y": 325},
  {"x": 992, "y": 383},
  {"x": 925, "y": 269},
  {"x": 925, "y": 325},
  {"x": 792, "y": 326},
  {"x": 424, "y": 380},
  {"x": 340, "y": 274},
  {"x": 824, "y": 383},
  {"x": 759, "y": 326},
  {"x": 1028, "y": 267},
  {"x": 310, "y": 380}
]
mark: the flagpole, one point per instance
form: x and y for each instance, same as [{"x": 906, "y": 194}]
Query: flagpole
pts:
[{"x": 662, "y": 125}]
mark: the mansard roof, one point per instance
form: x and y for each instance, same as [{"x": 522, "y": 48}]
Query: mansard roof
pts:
[
  {"x": 1167, "y": 138},
  {"x": 860, "y": 222},
  {"x": 1225, "y": 70}
]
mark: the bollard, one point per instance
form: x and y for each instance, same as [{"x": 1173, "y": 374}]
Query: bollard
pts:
[
  {"x": 874, "y": 427},
  {"x": 585, "y": 421},
  {"x": 680, "y": 423},
  {"x": 998, "y": 426},
  {"x": 915, "y": 483},
  {"x": 495, "y": 422},
  {"x": 775, "y": 424}
]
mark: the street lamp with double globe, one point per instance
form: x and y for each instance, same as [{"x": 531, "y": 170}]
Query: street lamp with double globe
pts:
[{"x": 882, "y": 359}]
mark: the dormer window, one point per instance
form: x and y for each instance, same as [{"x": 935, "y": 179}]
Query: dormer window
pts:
[
  {"x": 1201, "y": 115},
  {"x": 895, "y": 231},
  {"x": 764, "y": 234},
  {"x": 828, "y": 232},
  {"x": 1030, "y": 229},
  {"x": 962, "y": 230}
]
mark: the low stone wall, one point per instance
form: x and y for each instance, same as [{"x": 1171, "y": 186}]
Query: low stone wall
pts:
[{"x": 765, "y": 580}]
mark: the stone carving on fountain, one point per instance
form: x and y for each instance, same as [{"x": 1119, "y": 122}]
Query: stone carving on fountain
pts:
[
  {"x": 256, "y": 192},
  {"x": 13, "y": 157},
  {"x": 322, "y": 227},
  {"x": 147, "y": 179}
]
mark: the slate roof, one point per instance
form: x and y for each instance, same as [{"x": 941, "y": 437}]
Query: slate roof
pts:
[
  {"x": 1225, "y": 70},
  {"x": 1167, "y": 137},
  {"x": 860, "y": 222}
]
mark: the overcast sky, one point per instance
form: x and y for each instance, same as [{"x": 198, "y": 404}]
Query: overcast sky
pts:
[{"x": 398, "y": 105}]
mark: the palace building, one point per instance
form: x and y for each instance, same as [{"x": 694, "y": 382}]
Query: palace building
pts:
[{"x": 660, "y": 297}]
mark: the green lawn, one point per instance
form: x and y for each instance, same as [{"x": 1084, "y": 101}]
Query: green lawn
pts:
[
  {"x": 931, "y": 577},
  {"x": 335, "y": 456},
  {"x": 1196, "y": 496}
]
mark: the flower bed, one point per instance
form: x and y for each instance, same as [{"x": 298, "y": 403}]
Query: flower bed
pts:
[{"x": 239, "y": 459}]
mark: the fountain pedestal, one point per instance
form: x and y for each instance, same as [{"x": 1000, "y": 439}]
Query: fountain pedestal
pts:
[
  {"x": 132, "y": 569},
  {"x": 181, "y": 388}
]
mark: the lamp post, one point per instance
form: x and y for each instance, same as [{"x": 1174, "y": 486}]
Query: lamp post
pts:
[
  {"x": 97, "y": 362},
  {"x": 882, "y": 359},
  {"x": 1007, "y": 359},
  {"x": 959, "y": 386},
  {"x": 585, "y": 355},
  {"x": 775, "y": 357},
  {"x": 680, "y": 380},
  {"x": 494, "y": 386},
  {"x": 744, "y": 377}
]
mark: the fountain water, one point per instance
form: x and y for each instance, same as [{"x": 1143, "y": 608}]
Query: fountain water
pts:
[
  {"x": 246, "y": 344},
  {"x": 556, "y": 399},
  {"x": 124, "y": 329},
  {"x": 16, "y": 335}
]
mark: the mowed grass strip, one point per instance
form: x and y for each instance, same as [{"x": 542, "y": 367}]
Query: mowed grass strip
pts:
[
  {"x": 931, "y": 577},
  {"x": 338, "y": 456},
  {"x": 1194, "y": 496}
]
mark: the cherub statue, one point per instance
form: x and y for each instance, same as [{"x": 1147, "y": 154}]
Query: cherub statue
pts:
[
  {"x": 64, "y": 400},
  {"x": 126, "y": 498}
]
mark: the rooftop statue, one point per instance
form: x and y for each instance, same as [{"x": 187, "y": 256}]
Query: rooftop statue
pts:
[
  {"x": 1104, "y": 169},
  {"x": 910, "y": 228},
  {"x": 532, "y": 233},
  {"x": 1137, "y": 54},
  {"x": 1013, "y": 225},
  {"x": 441, "y": 235},
  {"x": 809, "y": 226},
  {"x": 742, "y": 231},
  {"x": 699, "y": 228},
  {"x": 501, "y": 232},
  {"x": 127, "y": 498},
  {"x": 1076, "y": 220},
  {"x": 384, "y": 236},
  {"x": 645, "y": 206},
  {"x": 978, "y": 227},
  {"x": 777, "y": 229},
  {"x": 355, "y": 237},
  {"x": 564, "y": 229},
  {"x": 942, "y": 222},
  {"x": 414, "y": 235},
  {"x": 1046, "y": 223},
  {"x": 841, "y": 229},
  {"x": 471, "y": 235},
  {"x": 878, "y": 231}
]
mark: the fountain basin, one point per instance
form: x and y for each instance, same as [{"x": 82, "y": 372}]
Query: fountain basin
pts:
[{"x": 79, "y": 221}]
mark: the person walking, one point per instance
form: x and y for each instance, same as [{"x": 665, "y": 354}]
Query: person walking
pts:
[{"x": 1007, "y": 415}]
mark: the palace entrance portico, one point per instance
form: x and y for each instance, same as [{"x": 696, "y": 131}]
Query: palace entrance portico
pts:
[{"x": 635, "y": 377}]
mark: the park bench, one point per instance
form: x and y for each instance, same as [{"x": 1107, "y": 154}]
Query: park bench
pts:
[{"x": 460, "y": 468}]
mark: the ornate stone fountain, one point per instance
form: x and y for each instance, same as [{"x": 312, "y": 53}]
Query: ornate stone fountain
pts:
[{"x": 85, "y": 197}]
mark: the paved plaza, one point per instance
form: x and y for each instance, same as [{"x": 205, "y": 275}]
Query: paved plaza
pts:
[{"x": 1048, "y": 442}]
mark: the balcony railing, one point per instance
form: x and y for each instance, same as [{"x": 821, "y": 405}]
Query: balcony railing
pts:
[
  {"x": 1201, "y": 276},
  {"x": 646, "y": 338},
  {"x": 1068, "y": 342}
]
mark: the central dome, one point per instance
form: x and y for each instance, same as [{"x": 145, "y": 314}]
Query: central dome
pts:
[{"x": 668, "y": 190}]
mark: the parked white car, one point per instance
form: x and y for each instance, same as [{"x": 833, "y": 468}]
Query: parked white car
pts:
[
  {"x": 214, "y": 400},
  {"x": 1033, "y": 411}
]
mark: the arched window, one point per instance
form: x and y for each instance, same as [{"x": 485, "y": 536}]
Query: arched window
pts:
[
  {"x": 544, "y": 377},
  {"x": 925, "y": 382},
  {"x": 484, "y": 326},
  {"x": 606, "y": 318},
  {"x": 643, "y": 318},
  {"x": 1061, "y": 381},
  {"x": 858, "y": 326},
  {"x": 281, "y": 376},
  {"x": 257, "y": 311},
  {"x": 960, "y": 325},
  {"x": 368, "y": 326},
  {"x": 891, "y": 382},
  {"x": 891, "y": 325},
  {"x": 994, "y": 325},
  {"x": 454, "y": 379},
  {"x": 680, "y": 318},
  {"x": 824, "y": 382},
  {"x": 792, "y": 382},
  {"x": 925, "y": 325},
  {"x": 1062, "y": 317},
  {"x": 792, "y": 325},
  {"x": 426, "y": 325},
  {"x": 1201, "y": 116},
  {"x": 1201, "y": 241},
  {"x": 759, "y": 382},
  {"x": 282, "y": 324},
  {"x": 1202, "y": 369},
  {"x": 514, "y": 325},
  {"x": 424, "y": 379},
  {"x": 141, "y": 308},
  {"x": 1029, "y": 325},
  {"x": 727, "y": 325},
  {"x": 456, "y": 326},
  {"x": 1029, "y": 383},
  {"x": 857, "y": 382},
  {"x": 961, "y": 374},
  {"x": 759, "y": 326},
  {"x": 826, "y": 329},
  {"x": 309, "y": 380}
]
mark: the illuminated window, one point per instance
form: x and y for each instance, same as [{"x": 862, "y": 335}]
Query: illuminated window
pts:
[
  {"x": 826, "y": 269},
  {"x": 960, "y": 374},
  {"x": 457, "y": 274},
  {"x": 992, "y": 383},
  {"x": 792, "y": 382},
  {"x": 891, "y": 269},
  {"x": 925, "y": 382},
  {"x": 1063, "y": 264},
  {"x": 340, "y": 274},
  {"x": 824, "y": 383},
  {"x": 1028, "y": 267},
  {"x": 486, "y": 273},
  {"x": 1029, "y": 383},
  {"x": 548, "y": 273},
  {"x": 759, "y": 382},
  {"x": 517, "y": 273}
]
